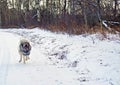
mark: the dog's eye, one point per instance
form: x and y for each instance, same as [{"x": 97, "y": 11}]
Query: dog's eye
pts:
[{"x": 26, "y": 45}]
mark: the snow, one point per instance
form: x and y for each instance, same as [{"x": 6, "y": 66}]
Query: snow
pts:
[{"x": 59, "y": 59}]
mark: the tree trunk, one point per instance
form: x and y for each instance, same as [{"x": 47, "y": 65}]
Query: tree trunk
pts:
[
  {"x": 99, "y": 10},
  {"x": 64, "y": 8},
  {"x": 115, "y": 8},
  {"x": 0, "y": 20},
  {"x": 0, "y": 14},
  {"x": 85, "y": 15}
]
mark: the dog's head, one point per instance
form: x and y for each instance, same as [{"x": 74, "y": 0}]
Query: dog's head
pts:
[{"x": 25, "y": 46}]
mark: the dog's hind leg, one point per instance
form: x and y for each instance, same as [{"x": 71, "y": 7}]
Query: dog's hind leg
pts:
[{"x": 20, "y": 58}]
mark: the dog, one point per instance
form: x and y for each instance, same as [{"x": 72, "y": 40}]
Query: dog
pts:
[{"x": 24, "y": 50}]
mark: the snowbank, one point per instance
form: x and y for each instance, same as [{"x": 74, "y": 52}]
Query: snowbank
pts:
[{"x": 60, "y": 59}]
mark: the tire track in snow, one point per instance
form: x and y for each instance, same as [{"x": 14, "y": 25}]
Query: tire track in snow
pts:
[{"x": 4, "y": 62}]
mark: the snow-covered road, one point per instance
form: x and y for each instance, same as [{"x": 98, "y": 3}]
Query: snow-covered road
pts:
[
  {"x": 58, "y": 59},
  {"x": 5, "y": 55},
  {"x": 35, "y": 72}
]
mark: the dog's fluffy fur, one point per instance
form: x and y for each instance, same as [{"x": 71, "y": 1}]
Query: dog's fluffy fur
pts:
[{"x": 24, "y": 50}]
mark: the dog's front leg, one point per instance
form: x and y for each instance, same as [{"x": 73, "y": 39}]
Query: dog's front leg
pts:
[
  {"x": 27, "y": 58},
  {"x": 20, "y": 58},
  {"x": 24, "y": 59}
]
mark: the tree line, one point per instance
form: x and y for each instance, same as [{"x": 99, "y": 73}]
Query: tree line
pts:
[{"x": 58, "y": 14}]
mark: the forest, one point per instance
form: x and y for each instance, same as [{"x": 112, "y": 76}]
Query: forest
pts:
[{"x": 71, "y": 16}]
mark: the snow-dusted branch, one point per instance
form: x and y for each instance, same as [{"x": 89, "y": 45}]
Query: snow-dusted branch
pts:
[
  {"x": 109, "y": 24},
  {"x": 104, "y": 23}
]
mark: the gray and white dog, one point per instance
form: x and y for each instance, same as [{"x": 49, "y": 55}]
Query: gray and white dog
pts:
[{"x": 24, "y": 50}]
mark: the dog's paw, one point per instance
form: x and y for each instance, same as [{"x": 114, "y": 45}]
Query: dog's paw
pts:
[
  {"x": 20, "y": 61},
  {"x": 24, "y": 62}
]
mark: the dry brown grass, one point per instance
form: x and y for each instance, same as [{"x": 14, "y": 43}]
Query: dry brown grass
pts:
[{"x": 75, "y": 28}]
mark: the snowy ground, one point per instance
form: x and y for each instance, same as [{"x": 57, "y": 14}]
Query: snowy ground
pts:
[{"x": 58, "y": 59}]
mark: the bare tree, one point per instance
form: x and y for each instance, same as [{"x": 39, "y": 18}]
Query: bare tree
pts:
[{"x": 115, "y": 7}]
